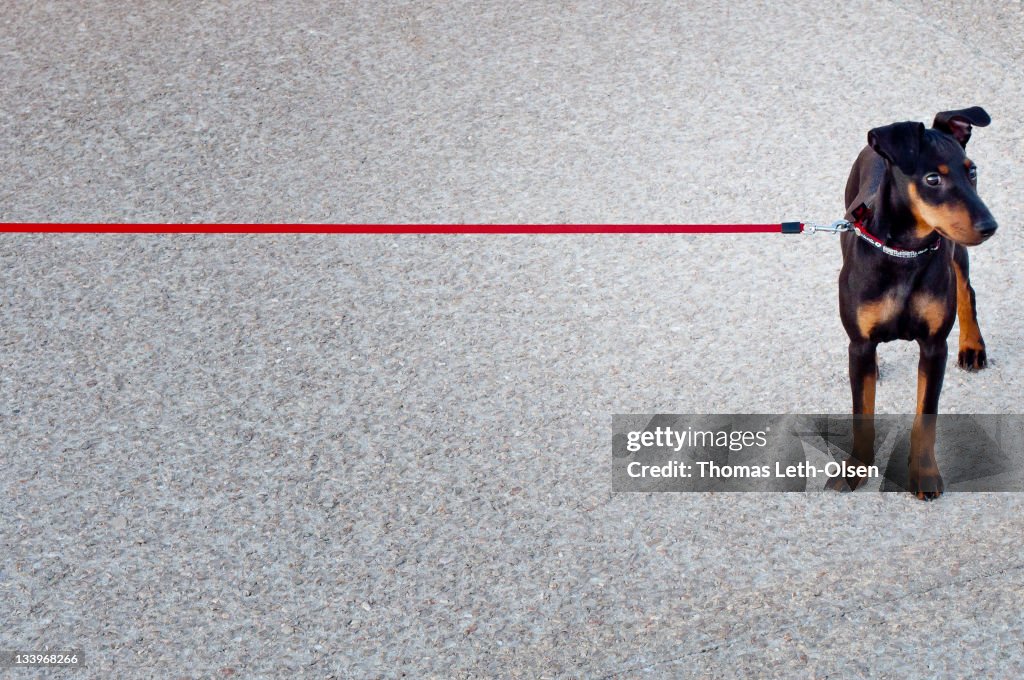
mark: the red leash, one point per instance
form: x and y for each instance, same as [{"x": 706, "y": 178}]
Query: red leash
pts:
[
  {"x": 163, "y": 228},
  {"x": 861, "y": 214}
]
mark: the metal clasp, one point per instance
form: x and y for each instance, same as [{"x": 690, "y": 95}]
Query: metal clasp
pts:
[{"x": 836, "y": 227}]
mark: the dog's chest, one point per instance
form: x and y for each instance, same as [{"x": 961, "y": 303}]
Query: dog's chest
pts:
[{"x": 901, "y": 313}]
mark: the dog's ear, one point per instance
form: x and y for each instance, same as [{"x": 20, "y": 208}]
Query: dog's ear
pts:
[
  {"x": 958, "y": 123},
  {"x": 899, "y": 143}
]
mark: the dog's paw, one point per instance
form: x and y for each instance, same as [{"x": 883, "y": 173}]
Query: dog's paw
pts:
[
  {"x": 837, "y": 484},
  {"x": 926, "y": 486},
  {"x": 845, "y": 483},
  {"x": 972, "y": 358}
]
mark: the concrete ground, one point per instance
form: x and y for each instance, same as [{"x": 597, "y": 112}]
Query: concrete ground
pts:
[{"x": 317, "y": 456}]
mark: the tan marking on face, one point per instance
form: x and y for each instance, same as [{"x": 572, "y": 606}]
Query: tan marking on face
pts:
[
  {"x": 952, "y": 221},
  {"x": 943, "y": 169},
  {"x": 968, "y": 163},
  {"x": 929, "y": 309},
  {"x": 875, "y": 313}
]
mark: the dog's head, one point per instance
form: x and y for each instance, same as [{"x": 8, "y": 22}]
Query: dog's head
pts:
[{"x": 933, "y": 176}]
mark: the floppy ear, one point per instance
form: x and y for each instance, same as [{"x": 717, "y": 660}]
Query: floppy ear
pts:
[
  {"x": 958, "y": 123},
  {"x": 899, "y": 143}
]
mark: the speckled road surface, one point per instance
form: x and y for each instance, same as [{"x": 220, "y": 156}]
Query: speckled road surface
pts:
[{"x": 314, "y": 456}]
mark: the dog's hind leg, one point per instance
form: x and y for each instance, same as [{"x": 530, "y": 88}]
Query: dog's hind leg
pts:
[{"x": 972, "y": 347}]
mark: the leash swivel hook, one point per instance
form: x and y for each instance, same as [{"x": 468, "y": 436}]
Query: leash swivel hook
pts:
[{"x": 837, "y": 227}]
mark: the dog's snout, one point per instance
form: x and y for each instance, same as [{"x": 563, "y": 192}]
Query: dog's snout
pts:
[{"x": 986, "y": 227}]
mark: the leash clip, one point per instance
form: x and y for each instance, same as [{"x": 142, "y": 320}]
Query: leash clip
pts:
[{"x": 837, "y": 227}]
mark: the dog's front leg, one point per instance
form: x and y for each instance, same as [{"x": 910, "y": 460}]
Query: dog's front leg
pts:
[
  {"x": 863, "y": 379},
  {"x": 925, "y": 480}
]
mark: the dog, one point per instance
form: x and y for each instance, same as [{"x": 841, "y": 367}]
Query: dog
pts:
[{"x": 913, "y": 202}]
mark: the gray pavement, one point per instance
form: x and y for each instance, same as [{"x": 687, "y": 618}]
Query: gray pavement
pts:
[{"x": 278, "y": 456}]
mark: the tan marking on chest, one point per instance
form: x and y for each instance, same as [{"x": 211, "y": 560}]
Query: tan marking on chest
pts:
[
  {"x": 930, "y": 309},
  {"x": 875, "y": 313}
]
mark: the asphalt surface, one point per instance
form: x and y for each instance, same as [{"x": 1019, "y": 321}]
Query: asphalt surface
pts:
[{"x": 315, "y": 456}]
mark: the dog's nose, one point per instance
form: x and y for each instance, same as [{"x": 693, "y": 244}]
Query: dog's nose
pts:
[{"x": 986, "y": 228}]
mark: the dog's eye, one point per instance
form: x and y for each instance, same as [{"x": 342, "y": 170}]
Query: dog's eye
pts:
[
  {"x": 932, "y": 179},
  {"x": 973, "y": 173}
]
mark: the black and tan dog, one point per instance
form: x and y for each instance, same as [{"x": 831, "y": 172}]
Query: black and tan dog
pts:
[{"x": 912, "y": 197}]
